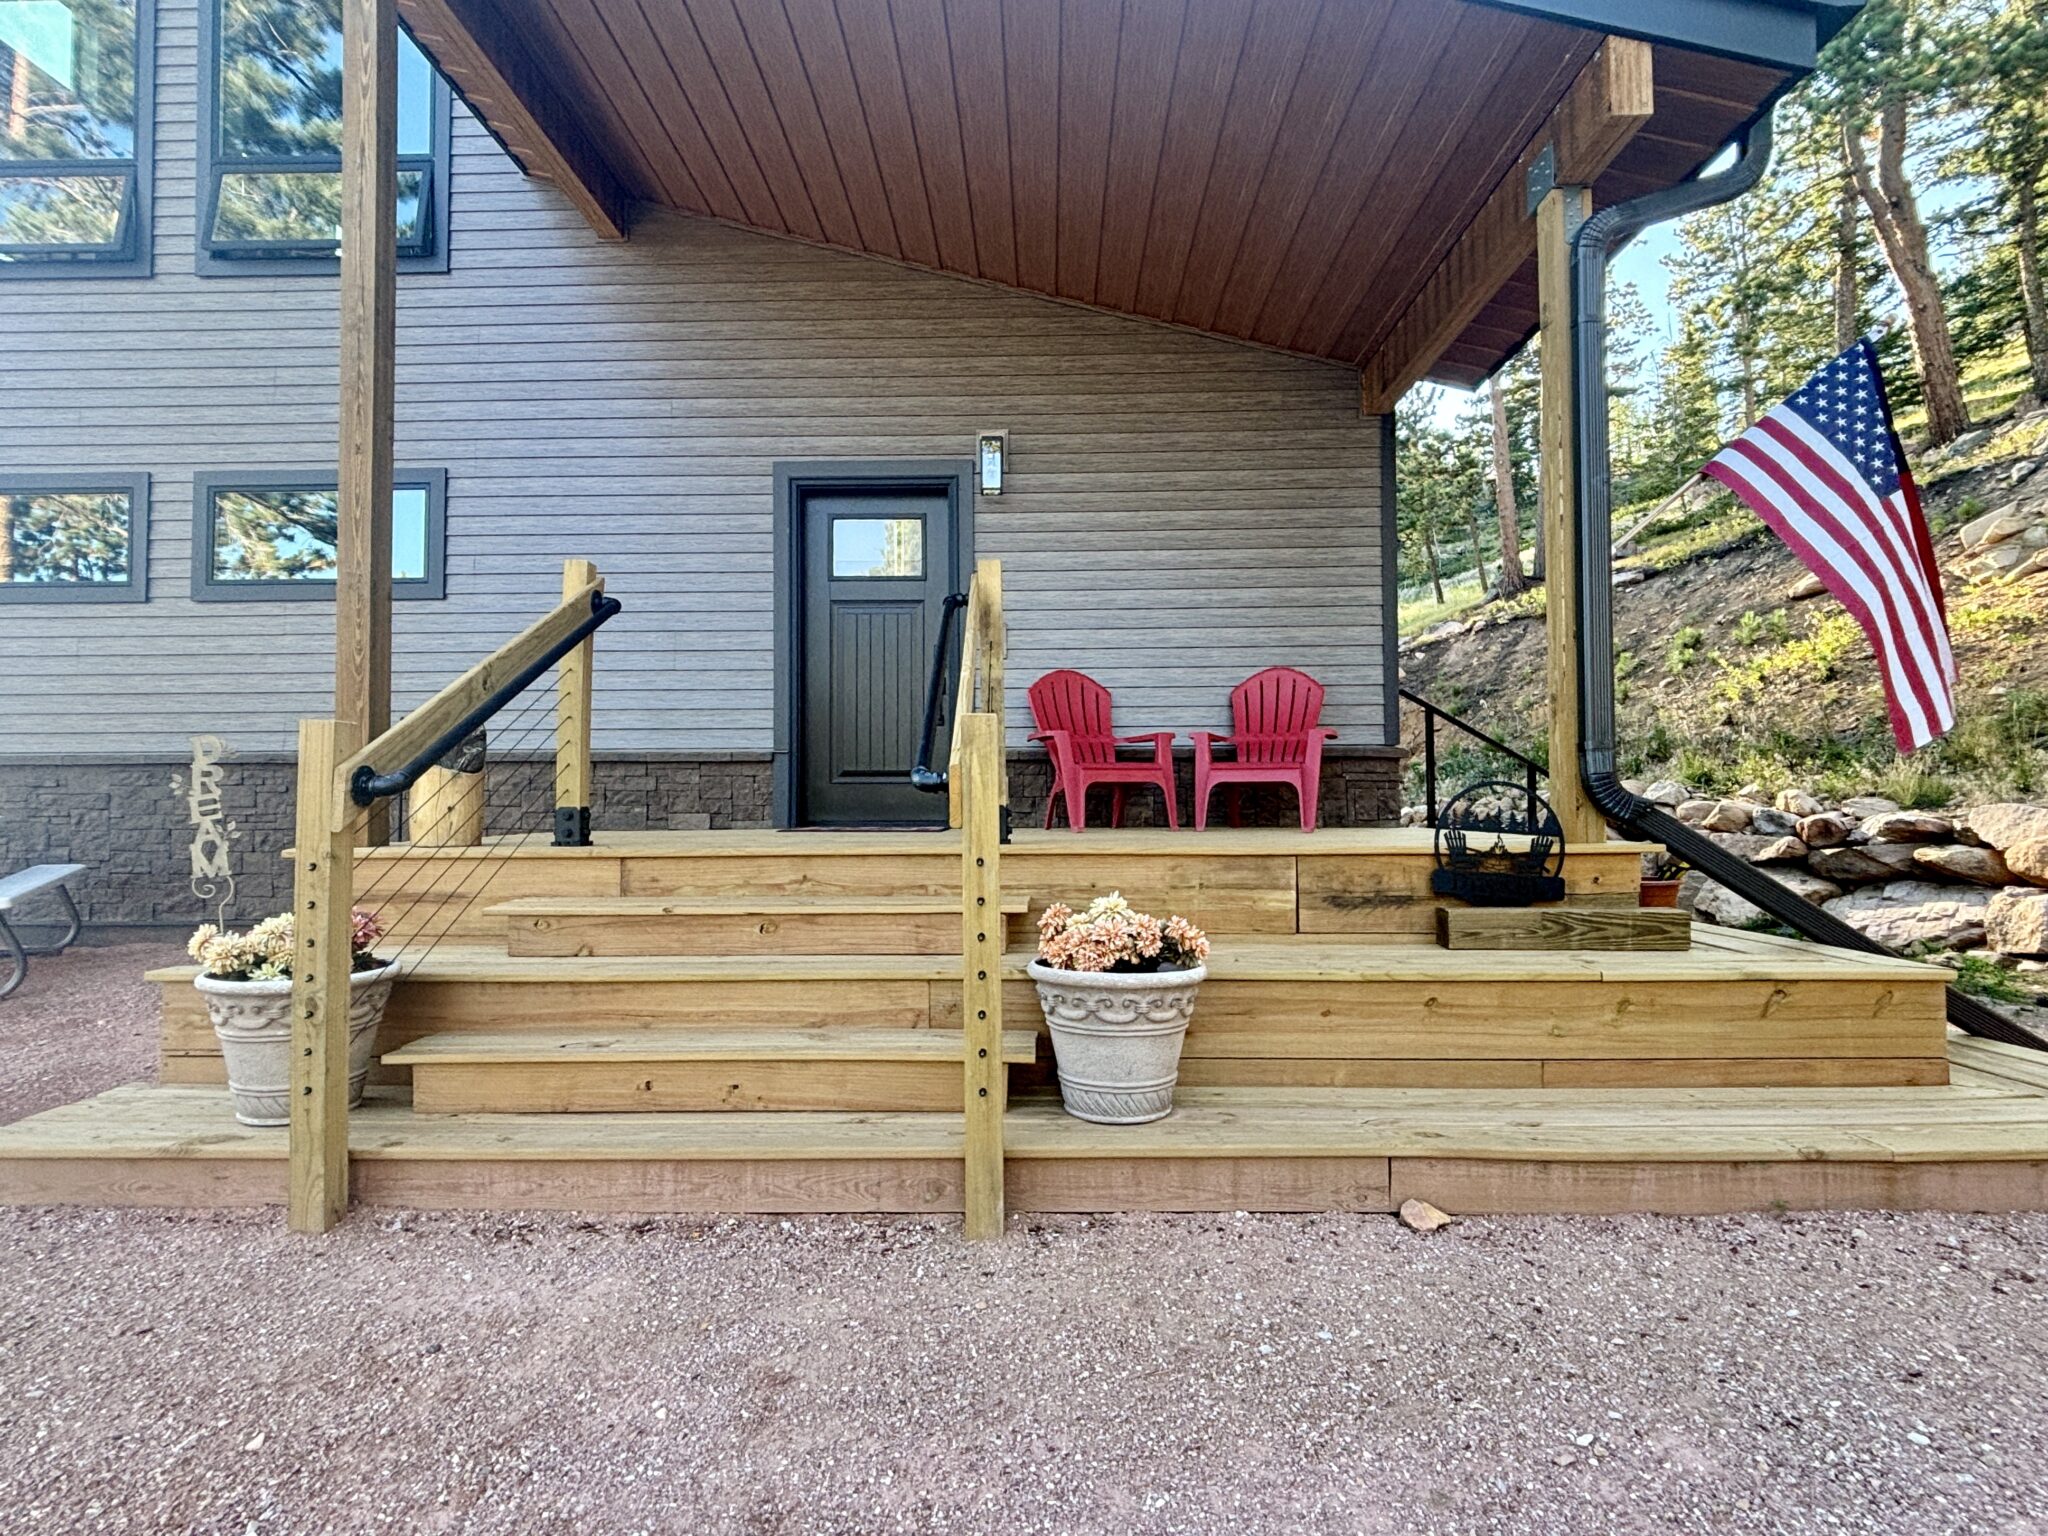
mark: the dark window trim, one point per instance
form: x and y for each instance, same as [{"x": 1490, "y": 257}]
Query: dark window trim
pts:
[
  {"x": 136, "y": 588},
  {"x": 205, "y": 589},
  {"x": 248, "y": 259},
  {"x": 134, "y": 259}
]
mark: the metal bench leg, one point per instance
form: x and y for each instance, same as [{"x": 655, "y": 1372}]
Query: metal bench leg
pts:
[{"x": 16, "y": 954}]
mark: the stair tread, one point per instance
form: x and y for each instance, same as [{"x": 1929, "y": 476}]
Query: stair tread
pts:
[
  {"x": 735, "y": 906},
  {"x": 469, "y": 1048}
]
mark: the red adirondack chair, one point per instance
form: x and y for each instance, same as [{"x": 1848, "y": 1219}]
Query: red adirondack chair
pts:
[
  {"x": 1072, "y": 712},
  {"x": 1274, "y": 739}
]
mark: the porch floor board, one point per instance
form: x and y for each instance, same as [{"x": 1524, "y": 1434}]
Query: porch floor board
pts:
[{"x": 1961, "y": 1147}]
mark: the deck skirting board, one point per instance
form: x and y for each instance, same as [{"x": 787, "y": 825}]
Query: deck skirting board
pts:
[
  {"x": 1494, "y": 1186},
  {"x": 771, "y": 1187}
]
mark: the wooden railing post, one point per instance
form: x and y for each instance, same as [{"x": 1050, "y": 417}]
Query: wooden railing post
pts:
[
  {"x": 577, "y": 677},
  {"x": 321, "y": 964},
  {"x": 982, "y": 933}
]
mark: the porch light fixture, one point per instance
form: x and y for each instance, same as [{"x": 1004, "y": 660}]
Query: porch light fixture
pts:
[{"x": 989, "y": 455}]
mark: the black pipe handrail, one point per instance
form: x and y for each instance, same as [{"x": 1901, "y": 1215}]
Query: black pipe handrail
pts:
[
  {"x": 366, "y": 786},
  {"x": 922, "y": 775},
  {"x": 1431, "y": 713},
  {"x": 1592, "y": 245}
]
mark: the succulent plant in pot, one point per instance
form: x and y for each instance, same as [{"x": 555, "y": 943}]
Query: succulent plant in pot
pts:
[
  {"x": 1118, "y": 988},
  {"x": 246, "y": 979}
]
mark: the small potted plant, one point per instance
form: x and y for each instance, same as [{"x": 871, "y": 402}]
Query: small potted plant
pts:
[
  {"x": 1118, "y": 988},
  {"x": 246, "y": 979},
  {"x": 1662, "y": 874}
]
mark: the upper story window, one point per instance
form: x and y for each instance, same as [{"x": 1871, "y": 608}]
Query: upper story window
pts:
[
  {"x": 74, "y": 540},
  {"x": 74, "y": 137},
  {"x": 270, "y": 182}
]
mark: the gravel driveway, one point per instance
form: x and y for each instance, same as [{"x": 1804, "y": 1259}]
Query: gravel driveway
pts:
[{"x": 1233, "y": 1374}]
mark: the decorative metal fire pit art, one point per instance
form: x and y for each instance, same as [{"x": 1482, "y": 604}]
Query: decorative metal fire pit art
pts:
[{"x": 1499, "y": 875}]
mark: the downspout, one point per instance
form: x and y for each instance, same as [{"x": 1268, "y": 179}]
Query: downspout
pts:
[{"x": 1597, "y": 240}]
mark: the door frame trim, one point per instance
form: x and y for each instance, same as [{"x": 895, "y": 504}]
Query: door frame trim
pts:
[{"x": 793, "y": 480}]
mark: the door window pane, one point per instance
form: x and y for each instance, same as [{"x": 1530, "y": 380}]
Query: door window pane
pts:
[
  {"x": 66, "y": 538},
  {"x": 877, "y": 546}
]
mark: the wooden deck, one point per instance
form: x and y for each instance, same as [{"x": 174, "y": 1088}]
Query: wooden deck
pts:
[
  {"x": 1975, "y": 1146},
  {"x": 1337, "y": 1060}
]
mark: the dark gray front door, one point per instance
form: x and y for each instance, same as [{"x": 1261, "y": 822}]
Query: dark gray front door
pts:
[{"x": 878, "y": 561}]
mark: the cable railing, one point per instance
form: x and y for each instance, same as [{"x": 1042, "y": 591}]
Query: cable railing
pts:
[
  {"x": 978, "y": 803},
  {"x": 429, "y": 765}
]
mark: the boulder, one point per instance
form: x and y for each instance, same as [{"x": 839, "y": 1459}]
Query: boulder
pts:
[
  {"x": 1907, "y": 827},
  {"x": 2008, "y": 822},
  {"x": 1959, "y": 861},
  {"x": 1825, "y": 829},
  {"x": 1994, "y": 527},
  {"x": 1906, "y": 914},
  {"x": 1810, "y": 887},
  {"x": 1694, "y": 813},
  {"x": 2034, "y": 567},
  {"x": 1999, "y": 559},
  {"x": 1753, "y": 794},
  {"x": 1863, "y": 807},
  {"x": 2018, "y": 474},
  {"x": 2017, "y": 921},
  {"x": 2028, "y": 859},
  {"x": 1668, "y": 793},
  {"x": 1769, "y": 821},
  {"x": 1727, "y": 816},
  {"x": 1806, "y": 586},
  {"x": 1798, "y": 803},
  {"x": 1717, "y": 904},
  {"x": 1778, "y": 850},
  {"x": 1630, "y": 577},
  {"x": 1969, "y": 442},
  {"x": 1855, "y": 866},
  {"x": 1744, "y": 845}
]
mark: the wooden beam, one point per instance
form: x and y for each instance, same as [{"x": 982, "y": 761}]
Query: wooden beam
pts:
[
  {"x": 317, "y": 1138},
  {"x": 369, "y": 334},
  {"x": 1609, "y": 100},
  {"x": 982, "y": 939},
  {"x": 576, "y": 679},
  {"x": 1557, "y": 219},
  {"x": 483, "y": 57}
]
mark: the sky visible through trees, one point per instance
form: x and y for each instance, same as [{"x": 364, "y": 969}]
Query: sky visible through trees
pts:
[{"x": 1904, "y": 202}]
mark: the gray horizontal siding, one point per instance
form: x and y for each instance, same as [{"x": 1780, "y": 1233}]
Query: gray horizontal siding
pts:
[{"x": 1180, "y": 511}]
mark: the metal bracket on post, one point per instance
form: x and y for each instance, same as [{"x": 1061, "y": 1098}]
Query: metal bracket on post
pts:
[
  {"x": 1542, "y": 176},
  {"x": 572, "y": 826}
]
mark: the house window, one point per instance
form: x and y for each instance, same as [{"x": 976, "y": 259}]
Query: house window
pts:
[
  {"x": 265, "y": 536},
  {"x": 270, "y": 172},
  {"x": 74, "y": 137},
  {"x": 74, "y": 540}
]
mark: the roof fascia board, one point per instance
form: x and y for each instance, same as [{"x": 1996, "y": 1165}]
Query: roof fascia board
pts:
[{"x": 1783, "y": 34}]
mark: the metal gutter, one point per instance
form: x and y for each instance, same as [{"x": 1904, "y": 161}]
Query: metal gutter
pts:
[
  {"x": 1779, "y": 34},
  {"x": 1593, "y": 596}
]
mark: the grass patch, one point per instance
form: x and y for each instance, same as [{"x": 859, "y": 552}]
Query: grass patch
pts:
[
  {"x": 1684, "y": 649},
  {"x": 1987, "y": 979},
  {"x": 1414, "y": 616}
]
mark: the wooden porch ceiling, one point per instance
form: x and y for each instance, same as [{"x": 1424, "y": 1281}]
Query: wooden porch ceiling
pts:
[{"x": 1304, "y": 174}]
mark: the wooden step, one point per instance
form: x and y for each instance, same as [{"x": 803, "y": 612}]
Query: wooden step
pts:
[
  {"x": 753, "y": 925},
  {"x": 534, "y": 1072},
  {"x": 1738, "y": 1009}
]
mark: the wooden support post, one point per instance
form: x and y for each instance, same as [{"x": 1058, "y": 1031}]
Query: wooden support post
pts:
[
  {"x": 369, "y": 320},
  {"x": 576, "y": 678},
  {"x": 323, "y": 891},
  {"x": 981, "y": 948},
  {"x": 1558, "y": 218},
  {"x": 989, "y": 576}
]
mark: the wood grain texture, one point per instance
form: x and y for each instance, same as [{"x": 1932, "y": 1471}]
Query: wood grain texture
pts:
[
  {"x": 1711, "y": 1188},
  {"x": 322, "y": 963},
  {"x": 1563, "y": 928},
  {"x": 368, "y": 383},
  {"x": 986, "y": 1082},
  {"x": 575, "y": 691},
  {"x": 647, "y": 1087},
  {"x": 1203, "y": 165},
  {"x": 1557, "y": 219}
]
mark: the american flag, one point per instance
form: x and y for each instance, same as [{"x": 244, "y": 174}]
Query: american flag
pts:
[{"x": 1827, "y": 475}]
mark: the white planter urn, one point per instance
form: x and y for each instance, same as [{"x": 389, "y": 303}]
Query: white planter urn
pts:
[
  {"x": 1117, "y": 1038},
  {"x": 253, "y": 1021}
]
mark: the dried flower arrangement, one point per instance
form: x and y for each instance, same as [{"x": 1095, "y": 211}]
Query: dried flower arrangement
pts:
[
  {"x": 1110, "y": 936},
  {"x": 264, "y": 952}
]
